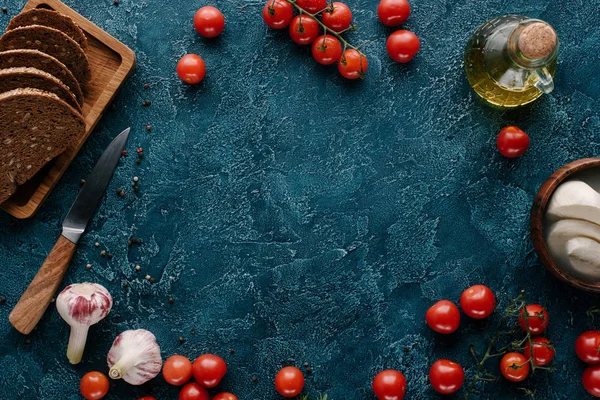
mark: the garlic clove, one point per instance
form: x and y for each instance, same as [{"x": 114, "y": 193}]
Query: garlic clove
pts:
[
  {"x": 134, "y": 357},
  {"x": 82, "y": 305}
]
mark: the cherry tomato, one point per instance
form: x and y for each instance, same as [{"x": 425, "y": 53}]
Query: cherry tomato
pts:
[
  {"x": 514, "y": 366},
  {"x": 208, "y": 370},
  {"x": 209, "y": 22},
  {"x": 177, "y": 370},
  {"x": 193, "y": 391},
  {"x": 478, "y": 301},
  {"x": 591, "y": 380},
  {"x": 147, "y": 398},
  {"x": 587, "y": 347},
  {"x": 289, "y": 382},
  {"x": 538, "y": 319},
  {"x": 94, "y": 385},
  {"x": 277, "y": 14},
  {"x": 352, "y": 64},
  {"x": 326, "y": 49},
  {"x": 393, "y": 12},
  {"x": 191, "y": 69},
  {"x": 512, "y": 142},
  {"x": 304, "y": 29},
  {"x": 337, "y": 17},
  {"x": 446, "y": 376},
  {"x": 312, "y": 6},
  {"x": 225, "y": 396},
  {"x": 443, "y": 317},
  {"x": 389, "y": 385},
  {"x": 402, "y": 46},
  {"x": 543, "y": 351}
]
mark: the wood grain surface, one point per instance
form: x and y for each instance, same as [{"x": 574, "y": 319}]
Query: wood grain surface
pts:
[{"x": 111, "y": 62}]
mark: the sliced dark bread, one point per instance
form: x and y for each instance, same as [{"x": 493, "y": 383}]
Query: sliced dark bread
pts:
[
  {"x": 51, "y": 18},
  {"x": 22, "y": 77},
  {"x": 50, "y": 41},
  {"x": 35, "y": 127},
  {"x": 44, "y": 62}
]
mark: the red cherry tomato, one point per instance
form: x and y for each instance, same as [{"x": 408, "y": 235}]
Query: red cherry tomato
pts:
[
  {"x": 312, "y": 6},
  {"x": 591, "y": 380},
  {"x": 389, "y": 385},
  {"x": 191, "y": 69},
  {"x": 478, "y": 301},
  {"x": 587, "y": 347},
  {"x": 289, "y": 382},
  {"x": 304, "y": 29},
  {"x": 193, "y": 391},
  {"x": 393, "y": 12},
  {"x": 209, "y": 22},
  {"x": 514, "y": 366},
  {"x": 352, "y": 64},
  {"x": 147, "y": 398},
  {"x": 326, "y": 49},
  {"x": 446, "y": 376},
  {"x": 402, "y": 46},
  {"x": 538, "y": 319},
  {"x": 543, "y": 351},
  {"x": 208, "y": 370},
  {"x": 512, "y": 142},
  {"x": 337, "y": 17},
  {"x": 177, "y": 370},
  {"x": 443, "y": 317},
  {"x": 225, "y": 396},
  {"x": 277, "y": 14},
  {"x": 94, "y": 385}
]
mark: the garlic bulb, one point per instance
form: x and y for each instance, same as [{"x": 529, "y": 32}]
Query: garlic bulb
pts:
[
  {"x": 82, "y": 305},
  {"x": 134, "y": 357}
]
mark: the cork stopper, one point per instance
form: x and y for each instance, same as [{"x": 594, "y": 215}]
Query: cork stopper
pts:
[{"x": 537, "y": 41}]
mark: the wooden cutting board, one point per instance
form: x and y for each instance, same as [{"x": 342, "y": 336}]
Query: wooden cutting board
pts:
[{"x": 111, "y": 62}]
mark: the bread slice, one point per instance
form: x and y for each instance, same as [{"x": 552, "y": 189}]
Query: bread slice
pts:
[
  {"x": 35, "y": 127},
  {"x": 52, "y": 19},
  {"x": 23, "y": 77},
  {"x": 43, "y": 62},
  {"x": 50, "y": 41}
]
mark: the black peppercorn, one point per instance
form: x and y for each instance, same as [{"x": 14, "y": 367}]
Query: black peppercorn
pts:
[
  {"x": 171, "y": 300},
  {"x": 116, "y": 2},
  {"x": 308, "y": 370},
  {"x": 231, "y": 350},
  {"x": 146, "y": 86},
  {"x": 4, "y": 10},
  {"x": 146, "y": 103},
  {"x": 181, "y": 339},
  {"x": 254, "y": 378},
  {"x": 2, "y": 300}
]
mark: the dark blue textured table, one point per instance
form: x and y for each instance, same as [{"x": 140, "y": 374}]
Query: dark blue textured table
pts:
[{"x": 295, "y": 216}]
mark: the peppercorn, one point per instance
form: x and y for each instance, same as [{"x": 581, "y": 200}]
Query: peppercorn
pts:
[
  {"x": 129, "y": 243},
  {"x": 137, "y": 267},
  {"x": 138, "y": 241},
  {"x": 181, "y": 339},
  {"x": 4, "y": 10},
  {"x": 308, "y": 370},
  {"x": 137, "y": 161},
  {"x": 148, "y": 127},
  {"x": 146, "y": 103},
  {"x": 152, "y": 280},
  {"x": 82, "y": 181},
  {"x": 103, "y": 253},
  {"x": 192, "y": 331},
  {"x": 148, "y": 277},
  {"x": 171, "y": 300},
  {"x": 136, "y": 189},
  {"x": 124, "y": 153},
  {"x": 97, "y": 244},
  {"x": 305, "y": 364},
  {"x": 254, "y": 378},
  {"x": 109, "y": 255},
  {"x": 27, "y": 340},
  {"x": 146, "y": 86},
  {"x": 89, "y": 266},
  {"x": 136, "y": 179},
  {"x": 125, "y": 284},
  {"x": 116, "y": 2},
  {"x": 2, "y": 300},
  {"x": 120, "y": 192},
  {"x": 231, "y": 350}
]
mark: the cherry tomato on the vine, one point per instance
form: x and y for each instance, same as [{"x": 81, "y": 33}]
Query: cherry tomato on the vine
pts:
[
  {"x": 538, "y": 319},
  {"x": 177, "y": 370},
  {"x": 326, "y": 49},
  {"x": 543, "y": 351},
  {"x": 443, "y": 317},
  {"x": 225, "y": 396},
  {"x": 94, "y": 385},
  {"x": 393, "y": 12},
  {"x": 587, "y": 347},
  {"x": 512, "y": 142},
  {"x": 191, "y": 69},
  {"x": 514, "y": 367},
  {"x": 478, "y": 301},
  {"x": 193, "y": 391},
  {"x": 389, "y": 385},
  {"x": 312, "y": 6},
  {"x": 289, "y": 382},
  {"x": 352, "y": 64},
  {"x": 591, "y": 380},
  {"x": 209, "y": 22},
  {"x": 208, "y": 370},
  {"x": 337, "y": 16},
  {"x": 304, "y": 29},
  {"x": 446, "y": 376},
  {"x": 277, "y": 14},
  {"x": 402, "y": 46}
]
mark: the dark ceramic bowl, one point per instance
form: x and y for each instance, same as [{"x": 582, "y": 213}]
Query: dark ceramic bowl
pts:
[{"x": 538, "y": 212}]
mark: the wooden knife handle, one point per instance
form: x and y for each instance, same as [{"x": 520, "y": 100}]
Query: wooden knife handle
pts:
[{"x": 32, "y": 305}]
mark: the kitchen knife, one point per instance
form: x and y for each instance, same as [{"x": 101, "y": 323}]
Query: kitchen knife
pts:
[{"x": 32, "y": 305}]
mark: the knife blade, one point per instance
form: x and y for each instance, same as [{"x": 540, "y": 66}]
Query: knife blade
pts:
[{"x": 34, "y": 302}]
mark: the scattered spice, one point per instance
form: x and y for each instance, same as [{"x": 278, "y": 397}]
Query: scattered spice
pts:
[
  {"x": 4, "y": 10},
  {"x": 254, "y": 378},
  {"x": 146, "y": 103},
  {"x": 82, "y": 182},
  {"x": 89, "y": 266},
  {"x": 27, "y": 340},
  {"x": 97, "y": 244},
  {"x": 124, "y": 153},
  {"x": 120, "y": 192},
  {"x": 146, "y": 86},
  {"x": 136, "y": 189},
  {"x": 103, "y": 253},
  {"x": 137, "y": 267},
  {"x": 231, "y": 350},
  {"x": 125, "y": 285},
  {"x": 109, "y": 255},
  {"x": 129, "y": 243},
  {"x": 148, "y": 127},
  {"x": 116, "y": 2},
  {"x": 136, "y": 179},
  {"x": 152, "y": 280},
  {"x": 137, "y": 161},
  {"x": 308, "y": 370},
  {"x": 148, "y": 277},
  {"x": 192, "y": 331},
  {"x": 181, "y": 340},
  {"x": 171, "y": 300},
  {"x": 306, "y": 364},
  {"x": 2, "y": 300}
]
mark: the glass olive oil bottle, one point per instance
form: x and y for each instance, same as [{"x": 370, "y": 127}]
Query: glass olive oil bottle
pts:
[{"x": 510, "y": 61}]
